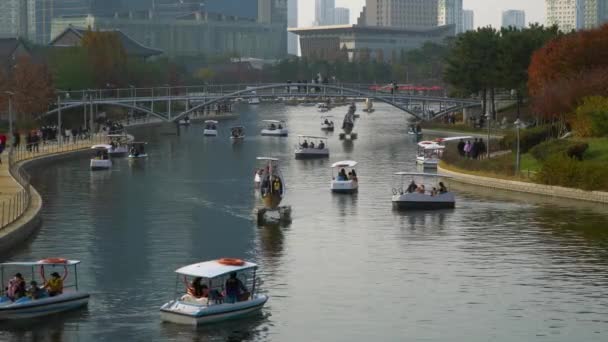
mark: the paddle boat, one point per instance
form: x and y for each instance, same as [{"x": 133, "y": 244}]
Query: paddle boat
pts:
[
  {"x": 210, "y": 128},
  {"x": 37, "y": 300},
  {"x": 348, "y": 125},
  {"x": 275, "y": 128},
  {"x": 306, "y": 148},
  {"x": 345, "y": 180},
  {"x": 184, "y": 122},
  {"x": 429, "y": 154},
  {"x": 414, "y": 129},
  {"x": 353, "y": 108},
  {"x": 327, "y": 124},
  {"x": 237, "y": 133},
  {"x": 119, "y": 145},
  {"x": 272, "y": 183},
  {"x": 137, "y": 150},
  {"x": 419, "y": 196},
  {"x": 101, "y": 160},
  {"x": 215, "y": 291},
  {"x": 253, "y": 100},
  {"x": 369, "y": 106},
  {"x": 323, "y": 107}
]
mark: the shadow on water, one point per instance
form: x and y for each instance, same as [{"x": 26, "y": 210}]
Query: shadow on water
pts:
[
  {"x": 348, "y": 145},
  {"x": 424, "y": 220},
  {"x": 272, "y": 239},
  {"x": 48, "y": 328}
]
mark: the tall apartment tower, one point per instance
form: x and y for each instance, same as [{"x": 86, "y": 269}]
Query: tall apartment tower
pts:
[
  {"x": 468, "y": 20},
  {"x": 18, "y": 19},
  {"x": 341, "y": 16},
  {"x": 324, "y": 12},
  {"x": 401, "y": 13},
  {"x": 450, "y": 13},
  {"x": 571, "y": 15},
  {"x": 292, "y": 21},
  {"x": 514, "y": 18}
]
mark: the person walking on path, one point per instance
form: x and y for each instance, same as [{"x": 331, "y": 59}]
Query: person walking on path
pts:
[
  {"x": 482, "y": 149},
  {"x": 461, "y": 145},
  {"x": 475, "y": 149}
]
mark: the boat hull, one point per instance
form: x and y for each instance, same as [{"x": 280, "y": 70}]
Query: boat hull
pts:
[
  {"x": 210, "y": 133},
  {"x": 131, "y": 156},
  {"x": 100, "y": 164},
  {"x": 181, "y": 313},
  {"x": 275, "y": 133},
  {"x": 342, "y": 187},
  {"x": 311, "y": 153},
  {"x": 417, "y": 201},
  {"x": 43, "y": 307},
  {"x": 427, "y": 163},
  {"x": 272, "y": 201}
]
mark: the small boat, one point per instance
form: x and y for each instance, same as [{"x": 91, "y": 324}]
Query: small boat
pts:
[
  {"x": 414, "y": 129},
  {"x": 101, "y": 160},
  {"x": 272, "y": 183},
  {"x": 237, "y": 133},
  {"x": 353, "y": 110},
  {"x": 346, "y": 180},
  {"x": 40, "y": 302},
  {"x": 369, "y": 106},
  {"x": 306, "y": 148},
  {"x": 119, "y": 145},
  {"x": 275, "y": 128},
  {"x": 137, "y": 150},
  {"x": 210, "y": 128},
  {"x": 323, "y": 107},
  {"x": 204, "y": 306},
  {"x": 429, "y": 154},
  {"x": 327, "y": 124},
  {"x": 348, "y": 125},
  {"x": 418, "y": 197},
  {"x": 184, "y": 122},
  {"x": 253, "y": 100}
]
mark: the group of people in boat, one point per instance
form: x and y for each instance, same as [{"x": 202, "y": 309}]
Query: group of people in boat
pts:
[
  {"x": 271, "y": 185},
  {"x": 272, "y": 126},
  {"x": 211, "y": 126},
  {"x": 234, "y": 290},
  {"x": 101, "y": 154},
  {"x": 328, "y": 122},
  {"x": 17, "y": 287},
  {"x": 414, "y": 188},
  {"x": 311, "y": 145},
  {"x": 343, "y": 176},
  {"x": 237, "y": 132}
]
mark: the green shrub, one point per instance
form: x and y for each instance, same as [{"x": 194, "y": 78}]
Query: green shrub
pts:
[
  {"x": 594, "y": 110},
  {"x": 569, "y": 148},
  {"x": 564, "y": 171},
  {"x": 502, "y": 165},
  {"x": 528, "y": 138}
]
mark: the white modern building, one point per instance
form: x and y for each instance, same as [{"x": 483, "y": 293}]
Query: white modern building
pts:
[
  {"x": 324, "y": 12},
  {"x": 514, "y": 18},
  {"x": 468, "y": 20},
  {"x": 18, "y": 19},
  {"x": 292, "y": 21},
  {"x": 450, "y": 13},
  {"x": 341, "y": 16},
  {"x": 571, "y": 15}
]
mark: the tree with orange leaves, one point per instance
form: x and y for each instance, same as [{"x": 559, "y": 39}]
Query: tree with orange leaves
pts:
[{"x": 107, "y": 57}]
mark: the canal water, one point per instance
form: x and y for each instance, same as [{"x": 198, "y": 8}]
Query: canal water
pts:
[{"x": 500, "y": 267}]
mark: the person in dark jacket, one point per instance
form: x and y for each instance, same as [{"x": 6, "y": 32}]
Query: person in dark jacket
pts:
[
  {"x": 461, "y": 148},
  {"x": 475, "y": 149}
]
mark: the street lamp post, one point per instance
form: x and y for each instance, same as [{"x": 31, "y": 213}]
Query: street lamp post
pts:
[
  {"x": 488, "y": 118},
  {"x": 518, "y": 153}
]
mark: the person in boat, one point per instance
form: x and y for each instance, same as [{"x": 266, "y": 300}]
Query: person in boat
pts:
[
  {"x": 198, "y": 290},
  {"x": 305, "y": 144},
  {"x": 265, "y": 186},
  {"x": 272, "y": 126},
  {"x": 412, "y": 187},
  {"x": 54, "y": 285},
  {"x": 353, "y": 176},
  {"x": 442, "y": 188},
  {"x": 326, "y": 121},
  {"x": 35, "y": 292},
  {"x": 311, "y": 145},
  {"x": 277, "y": 186},
  {"x": 16, "y": 287},
  {"x": 434, "y": 192},
  {"x": 342, "y": 176},
  {"x": 421, "y": 189},
  {"x": 234, "y": 288},
  {"x": 321, "y": 145},
  {"x": 280, "y": 126}
]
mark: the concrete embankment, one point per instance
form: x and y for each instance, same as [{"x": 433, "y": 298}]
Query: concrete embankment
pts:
[{"x": 527, "y": 187}]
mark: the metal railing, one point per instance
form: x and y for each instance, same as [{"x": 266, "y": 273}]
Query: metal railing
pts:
[{"x": 14, "y": 206}]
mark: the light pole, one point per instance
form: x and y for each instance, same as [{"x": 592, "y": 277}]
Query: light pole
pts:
[
  {"x": 10, "y": 111},
  {"x": 518, "y": 153},
  {"x": 488, "y": 118}
]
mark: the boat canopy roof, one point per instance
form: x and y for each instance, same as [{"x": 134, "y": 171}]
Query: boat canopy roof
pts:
[
  {"x": 311, "y": 137},
  {"x": 452, "y": 138},
  {"x": 41, "y": 262},
  {"x": 421, "y": 174},
  {"x": 430, "y": 145},
  {"x": 211, "y": 121},
  {"x": 213, "y": 269},
  {"x": 101, "y": 147},
  {"x": 273, "y": 121},
  {"x": 345, "y": 163},
  {"x": 268, "y": 158}
]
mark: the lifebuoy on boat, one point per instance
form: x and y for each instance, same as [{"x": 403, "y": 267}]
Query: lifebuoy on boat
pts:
[
  {"x": 231, "y": 262},
  {"x": 54, "y": 261}
]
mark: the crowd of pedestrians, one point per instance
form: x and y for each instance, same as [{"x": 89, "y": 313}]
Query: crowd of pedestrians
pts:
[{"x": 472, "y": 150}]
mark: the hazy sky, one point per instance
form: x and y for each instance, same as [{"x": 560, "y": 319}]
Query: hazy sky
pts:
[{"x": 487, "y": 12}]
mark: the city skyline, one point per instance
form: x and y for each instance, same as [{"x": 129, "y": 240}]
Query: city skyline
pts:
[{"x": 487, "y": 12}]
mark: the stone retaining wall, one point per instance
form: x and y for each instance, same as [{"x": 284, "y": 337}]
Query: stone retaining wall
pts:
[{"x": 532, "y": 188}]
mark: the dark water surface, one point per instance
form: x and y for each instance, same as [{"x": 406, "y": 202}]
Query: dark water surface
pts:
[{"x": 500, "y": 267}]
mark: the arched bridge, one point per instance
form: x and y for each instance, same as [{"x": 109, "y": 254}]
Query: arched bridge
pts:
[{"x": 173, "y": 103}]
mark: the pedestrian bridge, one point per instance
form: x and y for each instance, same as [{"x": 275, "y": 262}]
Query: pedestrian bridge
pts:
[{"x": 171, "y": 104}]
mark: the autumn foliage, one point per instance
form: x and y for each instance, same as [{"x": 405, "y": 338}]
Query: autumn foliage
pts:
[{"x": 107, "y": 56}]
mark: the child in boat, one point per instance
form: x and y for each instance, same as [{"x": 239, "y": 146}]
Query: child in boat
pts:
[
  {"x": 16, "y": 287},
  {"x": 54, "y": 285},
  {"x": 35, "y": 292}
]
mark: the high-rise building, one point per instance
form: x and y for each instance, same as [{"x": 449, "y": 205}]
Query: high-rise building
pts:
[
  {"x": 324, "y": 12},
  {"x": 468, "y": 20},
  {"x": 341, "y": 16},
  {"x": 514, "y": 18},
  {"x": 571, "y": 15},
  {"x": 18, "y": 19},
  {"x": 292, "y": 21},
  {"x": 401, "y": 13},
  {"x": 450, "y": 13}
]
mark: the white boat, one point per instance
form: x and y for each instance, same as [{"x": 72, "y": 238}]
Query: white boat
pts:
[
  {"x": 272, "y": 183},
  {"x": 253, "y": 100},
  {"x": 327, "y": 124},
  {"x": 40, "y": 303},
  {"x": 137, "y": 150},
  {"x": 419, "y": 196},
  {"x": 414, "y": 129},
  {"x": 323, "y": 107},
  {"x": 194, "y": 308},
  {"x": 237, "y": 133},
  {"x": 275, "y": 128},
  {"x": 210, "y": 128},
  {"x": 345, "y": 179},
  {"x": 369, "y": 106},
  {"x": 119, "y": 144},
  {"x": 184, "y": 122},
  {"x": 307, "y": 149},
  {"x": 429, "y": 154},
  {"x": 101, "y": 160}
]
